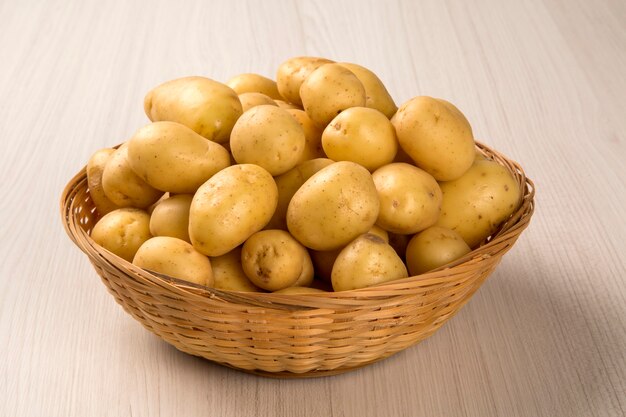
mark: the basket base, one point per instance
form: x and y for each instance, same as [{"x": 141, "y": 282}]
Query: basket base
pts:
[{"x": 294, "y": 375}]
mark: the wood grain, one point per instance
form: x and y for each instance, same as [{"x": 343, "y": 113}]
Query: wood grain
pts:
[{"x": 541, "y": 81}]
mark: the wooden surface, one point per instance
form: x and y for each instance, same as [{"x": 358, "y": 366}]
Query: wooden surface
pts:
[{"x": 540, "y": 80}]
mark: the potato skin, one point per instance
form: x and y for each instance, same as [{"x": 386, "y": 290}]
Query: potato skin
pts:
[
  {"x": 250, "y": 100},
  {"x": 312, "y": 136},
  {"x": 286, "y": 105},
  {"x": 292, "y": 73},
  {"x": 475, "y": 204},
  {"x": 432, "y": 248},
  {"x": 368, "y": 260},
  {"x": 410, "y": 198},
  {"x": 122, "y": 231},
  {"x": 95, "y": 168},
  {"x": 171, "y": 157},
  {"x": 170, "y": 217},
  {"x": 328, "y": 91},
  {"x": 176, "y": 258},
  {"x": 333, "y": 207},
  {"x": 206, "y": 106},
  {"x": 436, "y": 135},
  {"x": 228, "y": 273},
  {"x": 267, "y": 136},
  {"x": 377, "y": 96},
  {"x": 123, "y": 186},
  {"x": 254, "y": 83},
  {"x": 232, "y": 205}
]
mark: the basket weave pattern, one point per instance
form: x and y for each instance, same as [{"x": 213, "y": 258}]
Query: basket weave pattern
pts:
[{"x": 294, "y": 335}]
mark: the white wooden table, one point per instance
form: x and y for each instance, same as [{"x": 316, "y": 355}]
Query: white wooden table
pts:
[{"x": 543, "y": 81}]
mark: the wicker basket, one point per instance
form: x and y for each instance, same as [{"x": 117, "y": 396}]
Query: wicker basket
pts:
[{"x": 294, "y": 335}]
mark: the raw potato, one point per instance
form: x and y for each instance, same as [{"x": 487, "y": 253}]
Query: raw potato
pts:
[
  {"x": 299, "y": 290},
  {"x": 250, "y": 100},
  {"x": 95, "y": 167},
  {"x": 333, "y": 207},
  {"x": 208, "y": 107},
  {"x": 267, "y": 136},
  {"x": 410, "y": 198},
  {"x": 288, "y": 183},
  {"x": 273, "y": 260},
  {"x": 434, "y": 247},
  {"x": 328, "y": 91},
  {"x": 361, "y": 135},
  {"x": 170, "y": 217},
  {"x": 171, "y": 157},
  {"x": 377, "y": 95},
  {"x": 368, "y": 260},
  {"x": 254, "y": 83},
  {"x": 292, "y": 73},
  {"x": 478, "y": 202},
  {"x": 175, "y": 258},
  {"x": 287, "y": 106},
  {"x": 436, "y": 135},
  {"x": 123, "y": 186},
  {"x": 306, "y": 276},
  {"x": 312, "y": 136},
  {"x": 122, "y": 231},
  {"x": 232, "y": 205},
  {"x": 228, "y": 273},
  {"x": 380, "y": 232}
]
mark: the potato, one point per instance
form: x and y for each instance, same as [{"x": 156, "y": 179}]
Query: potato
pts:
[
  {"x": 306, "y": 276},
  {"x": 436, "y": 135},
  {"x": 254, "y": 83},
  {"x": 299, "y": 290},
  {"x": 328, "y": 91},
  {"x": 175, "y": 258},
  {"x": 288, "y": 183},
  {"x": 207, "y": 107},
  {"x": 312, "y": 136},
  {"x": 171, "y": 157},
  {"x": 380, "y": 232},
  {"x": 361, "y": 135},
  {"x": 273, "y": 260},
  {"x": 123, "y": 186},
  {"x": 377, "y": 95},
  {"x": 232, "y": 205},
  {"x": 410, "y": 198},
  {"x": 364, "y": 262},
  {"x": 122, "y": 231},
  {"x": 287, "y": 106},
  {"x": 95, "y": 167},
  {"x": 333, "y": 207},
  {"x": 432, "y": 248},
  {"x": 228, "y": 273},
  {"x": 292, "y": 73},
  {"x": 250, "y": 100},
  {"x": 399, "y": 243},
  {"x": 478, "y": 202},
  {"x": 267, "y": 136},
  {"x": 170, "y": 217}
]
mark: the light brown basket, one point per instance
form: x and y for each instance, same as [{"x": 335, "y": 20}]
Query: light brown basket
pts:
[{"x": 285, "y": 335}]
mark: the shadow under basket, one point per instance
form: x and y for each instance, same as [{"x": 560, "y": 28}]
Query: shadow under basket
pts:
[{"x": 286, "y": 335}]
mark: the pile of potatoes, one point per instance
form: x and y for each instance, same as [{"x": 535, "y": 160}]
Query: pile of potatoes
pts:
[{"x": 315, "y": 181}]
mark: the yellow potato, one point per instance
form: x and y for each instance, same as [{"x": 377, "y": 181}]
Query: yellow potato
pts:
[
  {"x": 436, "y": 135},
  {"x": 288, "y": 183},
  {"x": 328, "y": 91},
  {"x": 434, "y": 247},
  {"x": 208, "y": 107},
  {"x": 228, "y": 273},
  {"x": 254, "y": 83},
  {"x": 333, "y": 207},
  {"x": 250, "y": 100},
  {"x": 171, "y": 157},
  {"x": 361, "y": 135},
  {"x": 299, "y": 290},
  {"x": 306, "y": 276},
  {"x": 273, "y": 260},
  {"x": 175, "y": 258},
  {"x": 377, "y": 95},
  {"x": 123, "y": 186},
  {"x": 287, "y": 106},
  {"x": 475, "y": 204},
  {"x": 380, "y": 232},
  {"x": 292, "y": 73},
  {"x": 232, "y": 205},
  {"x": 267, "y": 136},
  {"x": 95, "y": 167},
  {"x": 312, "y": 136},
  {"x": 122, "y": 231},
  {"x": 368, "y": 260},
  {"x": 170, "y": 217},
  {"x": 410, "y": 198}
]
